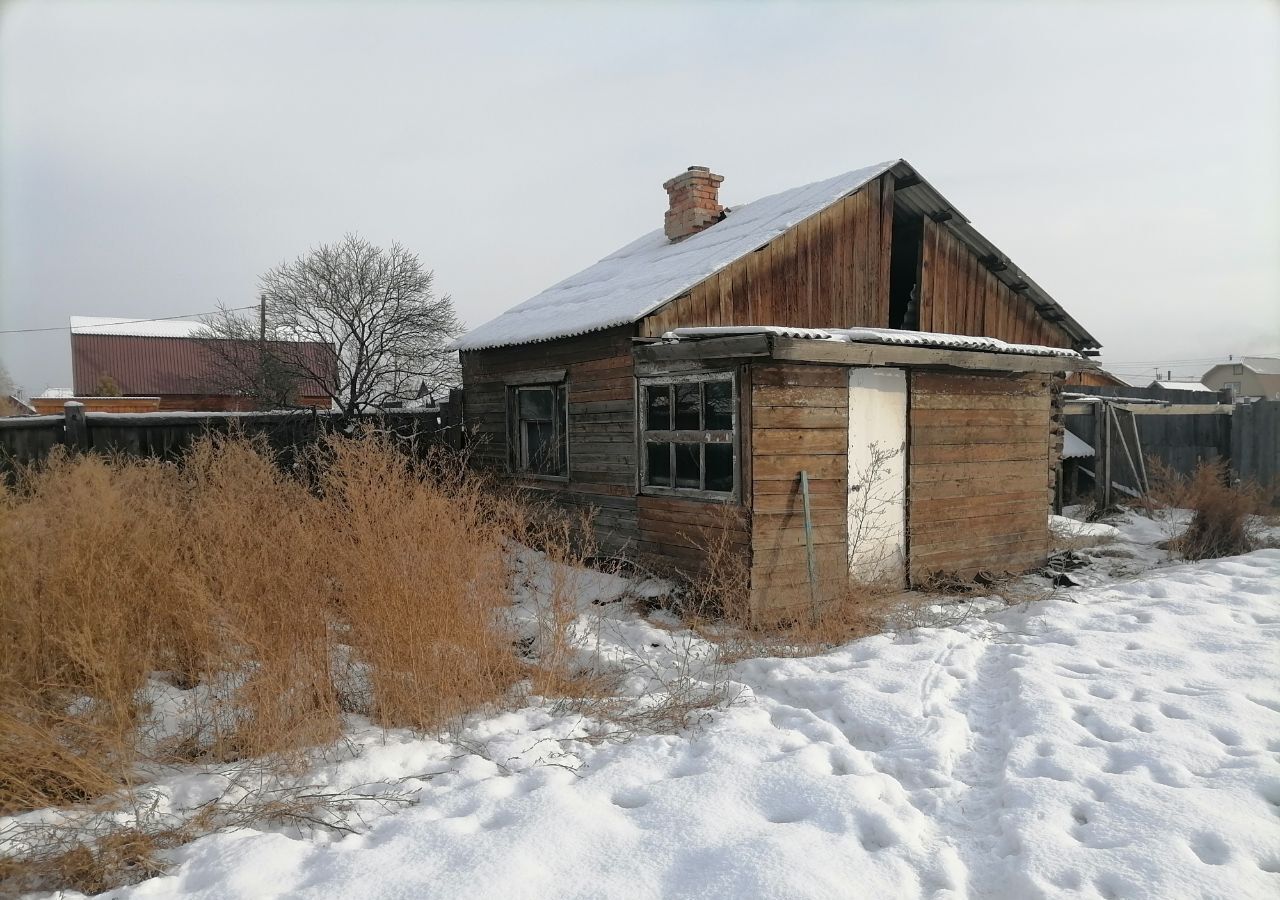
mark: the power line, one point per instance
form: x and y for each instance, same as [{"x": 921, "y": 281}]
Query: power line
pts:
[
  {"x": 127, "y": 321},
  {"x": 1165, "y": 362}
]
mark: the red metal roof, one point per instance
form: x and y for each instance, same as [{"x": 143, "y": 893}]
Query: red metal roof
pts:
[{"x": 156, "y": 366}]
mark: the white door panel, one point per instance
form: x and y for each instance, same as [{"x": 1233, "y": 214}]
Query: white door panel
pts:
[{"x": 877, "y": 475}]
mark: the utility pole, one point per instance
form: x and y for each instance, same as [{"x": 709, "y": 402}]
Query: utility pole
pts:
[{"x": 262, "y": 318}]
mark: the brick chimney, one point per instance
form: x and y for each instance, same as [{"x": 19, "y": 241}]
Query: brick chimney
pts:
[{"x": 694, "y": 202}]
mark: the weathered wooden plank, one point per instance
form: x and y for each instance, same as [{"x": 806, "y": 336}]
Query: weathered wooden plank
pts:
[
  {"x": 921, "y": 400},
  {"x": 786, "y": 467},
  {"x": 965, "y": 384},
  {"x": 774, "y": 441},
  {"x": 1003, "y": 451},
  {"x": 801, "y": 417},
  {"x": 782, "y": 375},
  {"x": 925, "y": 416},
  {"x": 948, "y": 509},
  {"x": 974, "y": 485},
  {"x": 886, "y": 246},
  {"x": 980, "y": 434},
  {"x": 1009, "y": 471},
  {"x": 766, "y": 395},
  {"x": 788, "y": 504},
  {"x": 1029, "y": 519}
]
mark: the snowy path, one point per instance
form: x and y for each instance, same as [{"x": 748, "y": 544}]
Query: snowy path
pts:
[{"x": 1120, "y": 741}]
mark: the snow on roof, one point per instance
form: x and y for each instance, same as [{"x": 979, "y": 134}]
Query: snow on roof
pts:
[
  {"x": 1073, "y": 447},
  {"x": 169, "y": 328},
  {"x": 632, "y": 282},
  {"x": 875, "y": 336},
  {"x": 1183, "y": 386},
  {"x": 53, "y": 393},
  {"x": 1263, "y": 365}
]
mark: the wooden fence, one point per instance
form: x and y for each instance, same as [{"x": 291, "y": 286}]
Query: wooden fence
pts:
[
  {"x": 1128, "y": 427},
  {"x": 167, "y": 435}
]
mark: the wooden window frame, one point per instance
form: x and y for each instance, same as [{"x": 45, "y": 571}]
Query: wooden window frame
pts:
[
  {"x": 701, "y": 437},
  {"x": 517, "y": 449}
]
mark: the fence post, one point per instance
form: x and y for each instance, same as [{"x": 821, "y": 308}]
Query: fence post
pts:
[
  {"x": 76, "y": 426},
  {"x": 808, "y": 546},
  {"x": 1102, "y": 455}
]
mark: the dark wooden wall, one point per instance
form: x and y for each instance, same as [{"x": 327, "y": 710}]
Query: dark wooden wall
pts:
[
  {"x": 602, "y": 422},
  {"x": 959, "y": 295},
  {"x": 1255, "y": 445},
  {"x": 830, "y": 271},
  {"x": 978, "y": 485},
  {"x": 685, "y": 534},
  {"x": 800, "y": 421}
]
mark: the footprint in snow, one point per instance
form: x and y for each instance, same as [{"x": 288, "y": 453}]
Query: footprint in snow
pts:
[
  {"x": 631, "y": 799},
  {"x": 1226, "y": 736},
  {"x": 1211, "y": 849}
]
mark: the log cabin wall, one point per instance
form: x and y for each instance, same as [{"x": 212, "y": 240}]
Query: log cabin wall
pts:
[
  {"x": 829, "y": 271},
  {"x": 977, "y": 495},
  {"x": 960, "y": 295},
  {"x": 599, "y": 372},
  {"x": 800, "y": 421}
]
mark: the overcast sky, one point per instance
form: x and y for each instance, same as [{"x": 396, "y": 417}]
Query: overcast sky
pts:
[{"x": 156, "y": 158}]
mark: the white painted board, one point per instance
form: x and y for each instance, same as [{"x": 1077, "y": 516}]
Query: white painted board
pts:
[{"x": 877, "y": 475}]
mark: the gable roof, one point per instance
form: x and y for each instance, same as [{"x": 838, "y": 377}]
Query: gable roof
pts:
[
  {"x": 633, "y": 282},
  {"x": 150, "y": 365},
  {"x": 1259, "y": 365}
]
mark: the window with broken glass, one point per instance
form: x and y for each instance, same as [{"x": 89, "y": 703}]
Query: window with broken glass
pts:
[
  {"x": 540, "y": 440},
  {"x": 689, "y": 435}
]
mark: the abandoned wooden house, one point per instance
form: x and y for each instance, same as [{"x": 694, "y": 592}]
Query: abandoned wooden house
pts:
[{"x": 841, "y": 381}]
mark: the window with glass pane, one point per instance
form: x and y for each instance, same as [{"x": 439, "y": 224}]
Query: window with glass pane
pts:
[
  {"x": 689, "y": 435},
  {"x": 541, "y": 445}
]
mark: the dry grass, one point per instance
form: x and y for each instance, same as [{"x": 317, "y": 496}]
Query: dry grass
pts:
[
  {"x": 371, "y": 586},
  {"x": 360, "y": 580},
  {"x": 1221, "y": 508}
]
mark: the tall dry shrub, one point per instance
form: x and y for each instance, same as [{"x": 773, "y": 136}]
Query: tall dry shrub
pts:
[
  {"x": 87, "y": 555},
  {"x": 255, "y": 539},
  {"x": 1220, "y": 513},
  {"x": 415, "y": 556}
]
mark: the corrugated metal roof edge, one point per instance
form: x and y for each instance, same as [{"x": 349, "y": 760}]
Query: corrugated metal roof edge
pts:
[{"x": 877, "y": 336}]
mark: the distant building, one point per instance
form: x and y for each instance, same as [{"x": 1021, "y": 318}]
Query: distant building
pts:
[
  {"x": 127, "y": 365},
  {"x": 1195, "y": 386},
  {"x": 12, "y": 406},
  {"x": 1094, "y": 378},
  {"x": 1248, "y": 377}
]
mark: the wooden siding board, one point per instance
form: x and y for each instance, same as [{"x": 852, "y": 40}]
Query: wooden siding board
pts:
[
  {"x": 978, "y": 497},
  {"x": 598, "y": 368},
  {"x": 783, "y": 395}
]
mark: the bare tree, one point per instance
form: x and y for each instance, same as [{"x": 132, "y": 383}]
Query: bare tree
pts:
[
  {"x": 376, "y": 308},
  {"x": 7, "y": 386}
]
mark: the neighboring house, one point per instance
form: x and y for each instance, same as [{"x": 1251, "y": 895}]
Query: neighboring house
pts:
[
  {"x": 1247, "y": 377},
  {"x": 170, "y": 362},
  {"x": 53, "y": 401},
  {"x": 13, "y": 406},
  {"x": 1094, "y": 378},
  {"x": 1181, "y": 386},
  {"x": 856, "y": 335}
]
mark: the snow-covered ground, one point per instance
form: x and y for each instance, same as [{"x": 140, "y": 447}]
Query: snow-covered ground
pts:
[{"x": 1116, "y": 739}]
